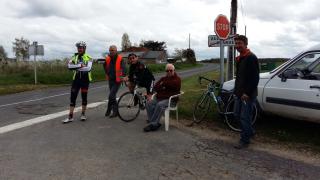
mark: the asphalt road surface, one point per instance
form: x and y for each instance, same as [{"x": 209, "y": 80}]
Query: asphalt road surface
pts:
[{"x": 34, "y": 144}]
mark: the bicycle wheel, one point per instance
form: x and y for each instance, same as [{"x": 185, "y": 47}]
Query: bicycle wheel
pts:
[
  {"x": 128, "y": 107},
  {"x": 234, "y": 123},
  {"x": 201, "y": 108}
]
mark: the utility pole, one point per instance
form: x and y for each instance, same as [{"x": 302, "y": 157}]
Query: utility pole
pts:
[
  {"x": 189, "y": 40},
  {"x": 231, "y": 49}
]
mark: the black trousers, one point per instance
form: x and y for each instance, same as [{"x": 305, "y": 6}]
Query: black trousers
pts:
[
  {"x": 112, "y": 102},
  {"x": 78, "y": 84}
]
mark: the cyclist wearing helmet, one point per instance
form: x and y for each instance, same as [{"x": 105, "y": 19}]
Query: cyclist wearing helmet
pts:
[
  {"x": 139, "y": 74},
  {"x": 81, "y": 64}
]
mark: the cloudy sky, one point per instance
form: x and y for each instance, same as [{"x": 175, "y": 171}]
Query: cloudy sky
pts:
[{"x": 275, "y": 28}]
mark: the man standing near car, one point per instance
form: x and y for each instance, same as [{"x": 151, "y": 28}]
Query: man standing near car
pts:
[{"x": 246, "y": 91}]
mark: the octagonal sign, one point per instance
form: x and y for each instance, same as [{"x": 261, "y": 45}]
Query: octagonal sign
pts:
[{"x": 222, "y": 26}]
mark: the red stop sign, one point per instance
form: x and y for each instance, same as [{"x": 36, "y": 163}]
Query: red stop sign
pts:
[{"x": 222, "y": 26}]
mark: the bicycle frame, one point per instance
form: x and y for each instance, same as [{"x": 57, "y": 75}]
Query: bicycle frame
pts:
[
  {"x": 211, "y": 90},
  {"x": 225, "y": 105}
]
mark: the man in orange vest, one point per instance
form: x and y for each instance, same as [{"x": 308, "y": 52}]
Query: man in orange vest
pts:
[{"x": 115, "y": 69}]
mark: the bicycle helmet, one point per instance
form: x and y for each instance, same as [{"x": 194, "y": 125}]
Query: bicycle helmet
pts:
[{"x": 81, "y": 44}]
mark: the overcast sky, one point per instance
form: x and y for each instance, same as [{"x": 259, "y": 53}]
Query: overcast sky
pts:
[{"x": 275, "y": 28}]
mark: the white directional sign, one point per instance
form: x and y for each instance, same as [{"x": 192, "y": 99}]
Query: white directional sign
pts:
[
  {"x": 214, "y": 41},
  {"x": 36, "y": 50}
]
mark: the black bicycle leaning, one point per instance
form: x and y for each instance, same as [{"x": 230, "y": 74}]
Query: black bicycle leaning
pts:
[
  {"x": 224, "y": 101},
  {"x": 130, "y": 104}
]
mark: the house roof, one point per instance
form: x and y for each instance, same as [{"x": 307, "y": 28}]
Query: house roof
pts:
[
  {"x": 125, "y": 54},
  {"x": 153, "y": 54},
  {"x": 144, "y": 54},
  {"x": 136, "y": 49}
]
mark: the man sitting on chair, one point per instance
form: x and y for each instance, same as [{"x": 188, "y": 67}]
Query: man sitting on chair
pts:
[{"x": 167, "y": 86}]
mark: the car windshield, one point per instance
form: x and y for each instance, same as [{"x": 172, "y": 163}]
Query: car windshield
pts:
[
  {"x": 306, "y": 61},
  {"x": 285, "y": 63}
]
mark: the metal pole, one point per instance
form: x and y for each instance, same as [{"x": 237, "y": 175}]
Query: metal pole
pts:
[
  {"x": 189, "y": 40},
  {"x": 245, "y": 30},
  {"x": 221, "y": 62},
  {"x": 234, "y": 58},
  {"x": 231, "y": 50},
  {"x": 228, "y": 66},
  {"x": 35, "y": 62}
]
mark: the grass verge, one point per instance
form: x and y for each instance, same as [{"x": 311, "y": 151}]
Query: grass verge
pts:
[
  {"x": 273, "y": 129},
  {"x": 18, "y": 79}
]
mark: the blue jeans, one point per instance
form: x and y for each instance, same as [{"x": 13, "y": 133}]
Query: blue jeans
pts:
[
  {"x": 155, "y": 110},
  {"x": 243, "y": 111}
]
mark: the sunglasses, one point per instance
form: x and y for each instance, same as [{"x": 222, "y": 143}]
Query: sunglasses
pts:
[{"x": 169, "y": 70}]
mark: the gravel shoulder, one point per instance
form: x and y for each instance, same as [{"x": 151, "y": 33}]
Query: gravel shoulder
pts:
[{"x": 293, "y": 151}]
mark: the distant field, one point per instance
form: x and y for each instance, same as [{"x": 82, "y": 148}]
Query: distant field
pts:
[{"x": 18, "y": 77}]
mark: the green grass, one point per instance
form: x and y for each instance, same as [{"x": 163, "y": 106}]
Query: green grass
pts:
[
  {"x": 18, "y": 77},
  {"x": 158, "y": 68},
  {"x": 270, "y": 127},
  {"x": 192, "y": 91}
]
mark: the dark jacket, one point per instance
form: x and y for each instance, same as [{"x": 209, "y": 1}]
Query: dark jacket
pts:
[
  {"x": 140, "y": 74},
  {"x": 168, "y": 86},
  {"x": 247, "y": 75}
]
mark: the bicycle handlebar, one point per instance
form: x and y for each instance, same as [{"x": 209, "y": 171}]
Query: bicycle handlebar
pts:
[{"x": 211, "y": 81}]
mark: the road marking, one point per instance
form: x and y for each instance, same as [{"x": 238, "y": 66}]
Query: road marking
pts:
[
  {"x": 48, "y": 117},
  {"x": 32, "y": 100},
  {"x": 48, "y": 97}
]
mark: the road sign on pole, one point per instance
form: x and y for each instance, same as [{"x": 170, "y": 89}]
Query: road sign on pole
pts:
[
  {"x": 35, "y": 50},
  {"x": 214, "y": 41},
  {"x": 222, "y": 26},
  {"x": 222, "y": 30}
]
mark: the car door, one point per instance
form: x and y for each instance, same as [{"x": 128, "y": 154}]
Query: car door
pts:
[{"x": 295, "y": 91}]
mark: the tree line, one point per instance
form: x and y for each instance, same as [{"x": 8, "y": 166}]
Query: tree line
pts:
[
  {"x": 21, "y": 49},
  {"x": 152, "y": 45}
]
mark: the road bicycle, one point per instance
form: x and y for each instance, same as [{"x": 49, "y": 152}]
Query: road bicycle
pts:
[
  {"x": 130, "y": 104},
  {"x": 224, "y": 101}
]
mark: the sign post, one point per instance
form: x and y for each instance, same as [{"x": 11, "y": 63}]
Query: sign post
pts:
[
  {"x": 222, "y": 30},
  {"x": 35, "y": 44},
  {"x": 35, "y": 50}
]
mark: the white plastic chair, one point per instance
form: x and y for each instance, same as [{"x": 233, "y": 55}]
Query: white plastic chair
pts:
[{"x": 171, "y": 108}]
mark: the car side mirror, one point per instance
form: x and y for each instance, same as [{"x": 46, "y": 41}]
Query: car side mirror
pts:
[
  {"x": 291, "y": 73},
  {"x": 287, "y": 74},
  {"x": 300, "y": 74},
  {"x": 284, "y": 76}
]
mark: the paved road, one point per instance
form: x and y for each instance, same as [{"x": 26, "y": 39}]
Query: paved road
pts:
[{"x": 103, "y": 148}]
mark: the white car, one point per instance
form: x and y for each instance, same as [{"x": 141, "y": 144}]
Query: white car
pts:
[{"x": 293, "y": 89}]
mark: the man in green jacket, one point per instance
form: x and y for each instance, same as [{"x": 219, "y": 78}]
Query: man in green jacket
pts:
[{"x": 81, "y": 64}]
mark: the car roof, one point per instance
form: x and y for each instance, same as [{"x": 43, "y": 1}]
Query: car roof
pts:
[{"x": 314, "y": 48}]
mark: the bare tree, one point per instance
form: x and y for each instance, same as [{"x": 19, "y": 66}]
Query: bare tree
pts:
[
  {"x": 125, "y": 44},
  {"x": 189, "y": 55},
  {"x": 177, "y": 54},
  {"x": 3, "y": 54},
  {"x": 21, "y": 48}
]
